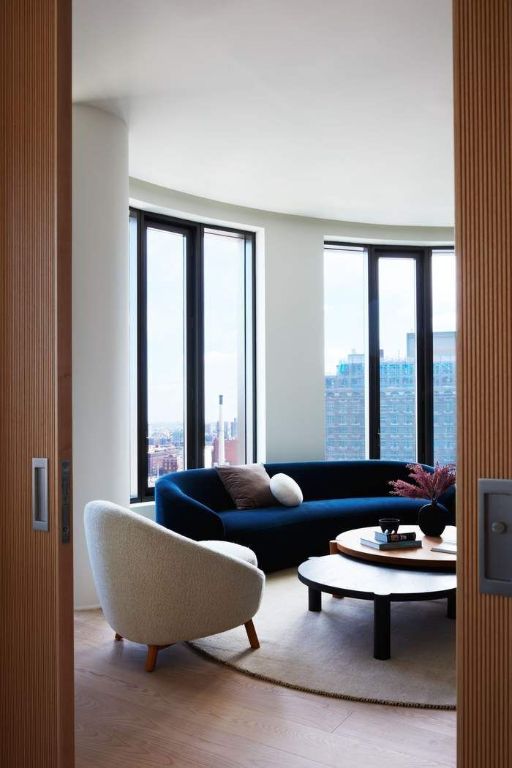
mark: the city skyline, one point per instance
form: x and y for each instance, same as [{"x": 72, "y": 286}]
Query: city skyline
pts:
[{"x": 346, "y": 413}]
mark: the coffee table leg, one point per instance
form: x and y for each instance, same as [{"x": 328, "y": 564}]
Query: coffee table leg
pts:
[
  {"x": 315, "y": 599},
  {"x": 381, "y": 627},
  {"x": 451, "y": 609}
]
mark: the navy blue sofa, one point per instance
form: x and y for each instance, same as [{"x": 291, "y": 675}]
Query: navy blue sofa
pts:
[{"x": 338, "y": 496}]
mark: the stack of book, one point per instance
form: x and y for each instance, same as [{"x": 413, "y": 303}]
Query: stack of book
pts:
[{"x": 392, "y": 541}]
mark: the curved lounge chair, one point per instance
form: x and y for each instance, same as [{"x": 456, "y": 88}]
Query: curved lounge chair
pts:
[{"x": 158, "y": 588}]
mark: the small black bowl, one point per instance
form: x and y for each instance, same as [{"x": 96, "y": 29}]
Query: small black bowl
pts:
[{"x": 389, "y": 524}]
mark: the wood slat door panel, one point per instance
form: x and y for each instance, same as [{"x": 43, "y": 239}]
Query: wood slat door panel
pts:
[
  {"x": 36, "y": 641},
  {"x": 483, "y": 152}
]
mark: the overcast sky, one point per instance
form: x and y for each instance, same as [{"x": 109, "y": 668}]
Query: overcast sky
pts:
[
  {"x": 223, "y": 313},
  {"x": 346, "y": 303}
]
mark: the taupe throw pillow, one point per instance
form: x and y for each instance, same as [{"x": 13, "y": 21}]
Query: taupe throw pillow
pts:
[{"x": 248, "y": 485}]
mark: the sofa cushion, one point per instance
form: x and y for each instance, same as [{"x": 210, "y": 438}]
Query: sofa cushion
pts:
[
  {"x": 350, "y": 513},
  {"x": 285, "y": 490},
  {"x": 248, "y": 485}
]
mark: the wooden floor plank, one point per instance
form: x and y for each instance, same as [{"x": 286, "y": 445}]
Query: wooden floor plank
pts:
[
  {"x": 416, "y": 738},
  {"x": 193, "y": 713}
]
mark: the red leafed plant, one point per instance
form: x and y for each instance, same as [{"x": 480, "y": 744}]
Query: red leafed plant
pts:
[{"x": 427, "y": 485}]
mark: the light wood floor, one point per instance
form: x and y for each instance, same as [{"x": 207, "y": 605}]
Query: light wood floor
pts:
[{"x": 193, "y": 713}]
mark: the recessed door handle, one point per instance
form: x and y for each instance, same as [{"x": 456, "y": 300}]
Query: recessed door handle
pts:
[{"x": 40, "y": 494}]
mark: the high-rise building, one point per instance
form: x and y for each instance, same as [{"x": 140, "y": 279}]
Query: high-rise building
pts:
[
  {"x": 345, "y": 404},
  {"x": 345, "y": 410}
]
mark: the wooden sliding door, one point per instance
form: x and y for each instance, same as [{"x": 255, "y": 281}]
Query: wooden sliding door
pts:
[
  {"x": 36, "y": 630},
  {"x": 483, "y": 150}
]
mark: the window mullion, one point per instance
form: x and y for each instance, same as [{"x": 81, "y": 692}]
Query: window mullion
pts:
[
  {"x": 427, "y": 384},
  {"x": 142, "y": 379},
  {"x": 373, "y": 354},
  {"x": 194, "y": 349}
]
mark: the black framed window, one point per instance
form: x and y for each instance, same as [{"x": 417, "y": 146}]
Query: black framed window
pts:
[
  {"x": 193, "y": 381},
  {"x": 390, "y": 362}
]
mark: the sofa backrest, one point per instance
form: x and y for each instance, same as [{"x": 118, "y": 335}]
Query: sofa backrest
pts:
[
  {"x": 317, "y": 479},
  {"x": 342, "y": 479},
  {"x": 203, "y": 485}
]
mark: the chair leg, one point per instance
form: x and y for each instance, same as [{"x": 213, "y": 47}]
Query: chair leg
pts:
[
  {"x": 118, "y": 637},
  {"x": 151, "y": 657},
  {"x": 251, "y": 634},
  {"x": 152, "y": 654}
]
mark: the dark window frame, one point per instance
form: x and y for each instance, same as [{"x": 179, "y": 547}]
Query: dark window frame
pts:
[
  {"x": 194, "y": 340},
  {"x": 424, "y": 340}
]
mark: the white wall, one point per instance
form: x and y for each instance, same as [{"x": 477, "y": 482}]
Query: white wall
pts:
[
  {"x": 100, "y": 324},
  {"x": 293, "y": 318},
  {"x": 291, "y": 375}
]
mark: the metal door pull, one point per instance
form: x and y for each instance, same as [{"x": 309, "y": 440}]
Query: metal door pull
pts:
[{"x": 40, "y": 494}]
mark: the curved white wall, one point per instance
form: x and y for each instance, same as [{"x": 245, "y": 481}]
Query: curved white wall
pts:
[{"x": 100, "y": 323}]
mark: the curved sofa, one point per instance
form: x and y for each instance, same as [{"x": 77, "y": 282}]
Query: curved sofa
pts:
[{"x": 338, "y": 496}]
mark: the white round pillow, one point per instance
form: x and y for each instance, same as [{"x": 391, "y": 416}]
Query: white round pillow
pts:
[{"x": 286, "y": 490}]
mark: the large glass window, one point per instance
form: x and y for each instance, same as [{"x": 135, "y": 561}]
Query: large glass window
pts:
[
  {"x": 225, "y": 361},
  {"x": 192, "y": 347},
  {"x": 444, "y": 361},
  {"x": 165, "y": 351},
  {"x": 390, "y": 353},
  {"x": 346, "y": 353},
  {"x": 397, "y": 358}
]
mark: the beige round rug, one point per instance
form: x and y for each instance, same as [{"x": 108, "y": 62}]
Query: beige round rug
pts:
[{"x": 331, "y": 653}]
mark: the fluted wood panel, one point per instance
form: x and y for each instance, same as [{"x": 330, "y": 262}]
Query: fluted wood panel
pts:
[
  {"x": 36, "y": 645},
  {"x": 483, "y": 150}
]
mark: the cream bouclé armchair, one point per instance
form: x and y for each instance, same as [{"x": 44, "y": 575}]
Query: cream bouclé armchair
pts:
[{"x": 158, "y": 588}]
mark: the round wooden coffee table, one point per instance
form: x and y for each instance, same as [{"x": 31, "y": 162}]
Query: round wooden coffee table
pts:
[{"x": 349, "y": 543}]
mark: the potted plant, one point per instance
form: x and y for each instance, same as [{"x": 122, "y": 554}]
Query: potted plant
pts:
[{"x": 427, "y": 485}]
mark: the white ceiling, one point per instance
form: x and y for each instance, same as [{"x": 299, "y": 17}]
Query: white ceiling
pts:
[{"x": 339, "y": 109}]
